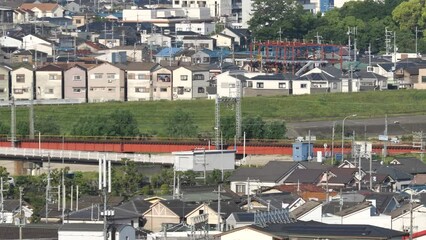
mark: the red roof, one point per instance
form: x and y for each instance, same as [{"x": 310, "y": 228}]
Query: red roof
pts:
[{"x": 300, "y": 187}]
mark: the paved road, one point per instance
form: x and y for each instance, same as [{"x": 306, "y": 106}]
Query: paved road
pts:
[{"x": 397, "y": 125}]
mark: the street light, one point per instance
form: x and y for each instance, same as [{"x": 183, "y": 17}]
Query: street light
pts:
[
  {"x": 39, "y": 141},
  {"x": 343, "y": 132}
]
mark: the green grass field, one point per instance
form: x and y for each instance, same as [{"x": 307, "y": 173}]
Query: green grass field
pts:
[{"x": 151, "y": 115}]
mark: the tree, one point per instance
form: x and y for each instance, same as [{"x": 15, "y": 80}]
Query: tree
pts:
[
  {"x": 275, "y": 130},
  {"x": 180, "y": 124},
  {"x": 410, "y": 14},
  {"x": 127, "y": 179},
  {"x": 254, "y": 127},
  {"x": 273, "y": 18},
  {"x": 227, "y": 126}
]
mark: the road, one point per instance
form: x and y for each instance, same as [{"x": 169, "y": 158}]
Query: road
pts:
[{"x": 397, "y": 126}]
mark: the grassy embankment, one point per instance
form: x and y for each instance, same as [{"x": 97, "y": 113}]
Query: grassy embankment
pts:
[{"x": 151, "y": 115}]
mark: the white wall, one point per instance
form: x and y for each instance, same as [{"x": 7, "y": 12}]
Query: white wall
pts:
[
  {"x": 10, "y": 42},
  {"x": 226, "y": 85},
  {"x": 297, "y": 88},
  {"x": 314, "y": 215},
  {"x": 204, "y": 28},
  {"x": 245, "y": 234},
  {"x": 80, "y": 235},
  {"x": 403, "y": 222},
  {"x": 254, "y": 185},
  {"x": 214, "y": 159}
]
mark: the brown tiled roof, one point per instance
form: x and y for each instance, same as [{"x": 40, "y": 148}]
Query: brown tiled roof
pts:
[
  {"x": 42, "y": 6},
  {"x": 94, "y": 45},
  {"x": 141, "y": 66}
]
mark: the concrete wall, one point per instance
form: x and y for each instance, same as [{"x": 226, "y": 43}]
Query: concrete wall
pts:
[
  {"x": 48, "y": 84},
  {"x": 139, "y": 87},
  {"x": 245, "y": 234},
  {"x": 4, "y": 84},
  {"x": 160, "y": 84},
  {"x": 24, "y": 87},
  {"x": 105, "y": 88}
]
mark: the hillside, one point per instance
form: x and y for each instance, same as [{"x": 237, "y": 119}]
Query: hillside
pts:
[{"x": 151, "y": 115}]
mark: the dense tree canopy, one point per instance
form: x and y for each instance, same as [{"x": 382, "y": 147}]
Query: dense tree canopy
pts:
[{"x": 180, "y": 124}]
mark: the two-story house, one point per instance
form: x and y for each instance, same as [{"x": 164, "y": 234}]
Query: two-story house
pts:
[
  {"x": 49, "y": 82},
  {"x": 162, "y": 83},
  {"x": 269, "y": 85},
  {"x": 22, "y": 83},
  {"x": 198, "y": 42},
  {"x": 106, "y": 82},
  {"x": 10, "y": 42},
  {"x": 37, "y": 43},
  {"x": 4, "y": 81},
  {"x": 139, "y": 80},
  {"x": 190, "y": 82},
  {"x": 52, "y": 10},
  {"x": 75, "y": 83},
  {"x": 227, "y": 83}
]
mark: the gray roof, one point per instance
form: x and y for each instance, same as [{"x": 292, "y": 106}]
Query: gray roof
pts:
[
  {"x": 343, "y": 175},
  {"x": 82, "y": 227},
  {"x": 243, "y": 217},
  {"x": 305, "y": 176},
  {"x": 394, "y": 173},
  {"x": 305, "y": 208},
  {"x": 353, "y": 209},
  {"x": 336, "y": 206},
  {"x": 275, "y": 77},
  {"x": 29, "y": 231},
  {"x": 385, "y": 201},
  {"x": 179, "y": 207},
  {"x": 141, "y": 66},
  {"x": 276, "y": 199},
  {"x": 410, "y": 165},
  {"x": 403, "y": 209}
]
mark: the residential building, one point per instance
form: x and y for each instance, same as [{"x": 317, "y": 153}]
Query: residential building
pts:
[
  {"x": 106, "y": 83},
  {"x": 190, "y": 82},
  {"x": 402, "y": 220},
  {"x": 204, "y": 160},
  {"x": 37, "y": 43},
  {"x": 4, "y": 82},
  {"x": 223, "y": 40},
  {"x": 269, "y": 85},
  {"x": 49, "y": 82},
  {"x": 91, "y": 46},
  {"x": 10, "y": 42},
  {"x": 52, "y": 10},
  {"x": 167, "y": 54},
  {"x": 6, "y": 15},
  {"x": 22, "y": 83},
  {"x": 22, "y": 56},
  {"x": 83, "y": 231},
  {"x": 139, "y": 80},
  {"x": 198, "y": 42},
  {"x": 75, "y": 83},
  {"x": 203, "y": 28},
  {"x": 10, "y": 210},
  {"x": 216, "y": 8},
  {"x": 21, "y": 16},
  {"x": 229, "y": 83},
  {"x": 209, "y": 210},
  {"x": 239, "y": 219},
  {"x": 241, "y": 37},
  {"x": 110, "y": 40},
  {"x": 206, "y": 56},
  {"x": 162, "y": 83},
  {"x": 72, "y": 7}
]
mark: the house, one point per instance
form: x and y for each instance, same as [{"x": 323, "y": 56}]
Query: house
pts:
[
  {"x": 408, "y": 75},
  {"x": 239, "y": 219},
  {"x": 22, "y": 56},
  {"x": 95, "y": 231},
  {"x": 21, "y": 16},
  {"x": 241, "y": 36},
  {"x": 224, "y": 41},
  {"x": 272, "y": 201},
  {"x": 109, "y": 40},
  {"x": 52, "y": 10},
  {"x": 167, "y": 54},
  {"x": 167, "y": 211},
  {"x": 91, "y": 46},
  {"x": 411, "y": 166},
  {"x": 269, "y": 85},
  {"x": 22, "y": 83},
  {"x": 230, "y": 83},
  {"x": 106, "y": 82},
  {"x": 10, "y": 42},
  {"x": 247, "y": 180},
  {"x": 75, "y": 82},
  {"x": 306, "y": 191},
  {"x": 49, "y": 82},
  {"x": 384, "y": 202},
  {"x": 159, "y": 39},
  {"x": 72, "y": 7},
  {"x": 4, "y": 82},
  {"x": 342, "y": 178},
  {"x": 401, "y": 178},
  {"x": 421, "y": 81},
  {"x": 206, "y": 56},
  {"x": 190, "y": 82},
  {"x": 381, "y": 182},
  {"x": 202, "y": 28},
  {"x": 210, "y": 211},
  {"x": 131, "y": 53},
  {"x": 162, "y": 83},
  {"x": 401, "y": 219},
  {"x": 37, "y": 43},
  {"x": 11, "y": 209},
  {"x": 310, "y": 230},
  {"x": 304, "y": 176},
  {"x": 139, "y": 80},
  {"x": 322, "y": 81},
  {"x": 198, "y": 42},
  {"x": 309, "y": 211}
]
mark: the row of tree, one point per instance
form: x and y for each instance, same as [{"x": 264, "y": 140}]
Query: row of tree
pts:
[{"x": 287, "y": 19}]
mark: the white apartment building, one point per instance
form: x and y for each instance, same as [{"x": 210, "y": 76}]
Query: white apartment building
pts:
[
  {"x": 217, "y": 7},
  {"x": 203, "y": 28}
]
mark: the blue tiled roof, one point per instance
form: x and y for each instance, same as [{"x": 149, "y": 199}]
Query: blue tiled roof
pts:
[
  {"x": 166, "y": 52},
  {"x": 216, "y": 53}
]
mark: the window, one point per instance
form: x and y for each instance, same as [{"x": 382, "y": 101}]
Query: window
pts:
[
  {"x": 25, "y": 59},
  {"x": 249, "y": 84},
  {"x": 198, "y": 77},
  {"x": 111, "y": 75},
  {"x": 163, "y": 89},
  {"x": 141, "y": 89},
  {"x": 231, "y": 85},
  {"x": 201, "y": 211},
  {"x": 200, "y": 90},
  {"x": 423, "y": 79},
  {"x": 99, "y": 75},
  {"x": 78, "y": 90},
  {"x": 303, "y": 85},
  {"x": 20, "y": 78},
  {"x": 143, "y": 76},
  {"x": 2, "y": 90},
  {"x": 111, "y": 89},
  {"x": 259, "y": 85},
  {"x": 78, "y": 21},
  {"x": 240, "y": 188},
  {"x": 2, "y": 77},
  {"x": 282, "y": 85},
  {"x": 180, "y": 90},
  {"x": 110, "y": 80},
  {"x": 49, "y": 91},
  {"x": 183, "y": 77},
  {"x": 76, "y": 78},
  {"x": 53, "y": 77},
  {"x": 18, "y": 91},
  {"x": 130, "y": 76}
]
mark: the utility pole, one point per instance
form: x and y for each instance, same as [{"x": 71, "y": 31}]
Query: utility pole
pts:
[
  {"x": 48, "y": 189},
  {"x": 2, "y": 200},
  {"x": 20, "y": 213},
  {"x": 385, "y": 144},
  {"x": 332, "y": 144},
  {"x": 13, "y": 121},
  {"x": 248, "y": 195},
  {"x": 105, "y": 186},
  {"x": 219, "y": 217},
  {"x": 31, "y": 111}
]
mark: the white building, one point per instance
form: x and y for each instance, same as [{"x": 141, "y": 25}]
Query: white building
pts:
[
  {"x": 217, "y": 8},
  {"x": 246, "y": 12},
  {"x": 203, "y": 28},
  {"x": 7, "y": 41},
  {"x": 33, "y": 42},
  {"x": 208, "y": 160},
  {"x": 52, "y": 10},
  {"x": 84, "y": 231}
]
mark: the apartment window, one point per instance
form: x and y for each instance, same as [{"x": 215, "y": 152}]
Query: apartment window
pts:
[
  {"x": 201, "y": 211},
  {"x": 240, "y": 188},
  {"x": 259, "y": 85},
  {"x": 99, "y": 75},
  {"x": 25, "y": 59},
  {"x": 130, "y": 76},
  {"x": 176, "y": 2},
  {"x": 53, "y": 77},
  {"x": 78, "y": 90},
  {"x": 18, "y": 91},
  {"x": 111, "y": 89},
  {"x": 249, "y": 84},
  {"x": 200, "y": 90},
  {"x": 143, "y": 76},
  {"x": 141, "y": 89},
  {"x": 423, "y": 79},
  {"x": 198, "y": 77},
  {"x": 78, "y": 21},
  {"x": 282, "y": 85},
  {"x": 183, "y": 77},
  {"x": 76, "y": 78},
  {"x": 303, "y": 85},
  {"x": 20, "y": 78},
  {"x": 49, "y": 91},
  {"x": 180, "y": 90},
  {"x": 163, "y": 89},
  {"x": 111, "y": 75},
  {"x": 2, "y": 90},
  {"x": 2, "y": 77}
]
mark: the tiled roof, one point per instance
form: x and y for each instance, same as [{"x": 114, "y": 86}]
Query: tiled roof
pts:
[
  {"x": 29, "y": 231},
  {"x": 42, "y": 6},
  {"x": 394, "y": 173},
  {"x": 179, "y": 207},
  {"x": 141, "y": 66},
  {"x": 279, "y": 76},
  {"x": 410, "y": 165},
  {"x": 305, "y": 176},
  {"x": 353, "y": 209},
  {"x": 343, "y": 175},
  {"x": 305, "y": 208},
  {"x": 303, "y": 187}
]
